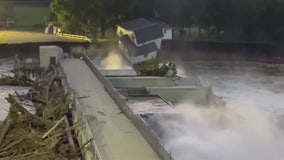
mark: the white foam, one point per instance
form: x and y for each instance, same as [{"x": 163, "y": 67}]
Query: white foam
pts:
[{"x": 249, "y": 128}]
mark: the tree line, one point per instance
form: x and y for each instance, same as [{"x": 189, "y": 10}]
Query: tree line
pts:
[{"x": 244, "y": 20}]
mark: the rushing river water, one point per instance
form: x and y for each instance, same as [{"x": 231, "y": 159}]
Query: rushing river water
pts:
[{"x": 250, "y": 127}]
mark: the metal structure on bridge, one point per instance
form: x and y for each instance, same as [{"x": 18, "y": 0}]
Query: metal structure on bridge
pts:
[{"x": 18, "y": 37}]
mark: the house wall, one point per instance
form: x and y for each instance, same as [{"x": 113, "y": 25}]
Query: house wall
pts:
[
  {"x": 122, "y": 48},
  {"x": 168, "y": 33},
  {"x": 157, "y": 41},
  {"x": 125, "y": 51},
  {"x": 136, "y": 59},
  {"x": 120, "y": 32},
  {"x": 143, "y": 58}
]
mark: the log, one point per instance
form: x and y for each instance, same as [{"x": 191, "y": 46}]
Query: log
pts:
[
  {"x": 5, "y": 129},
  {"x": 69, "y": 135},
  {"x": 53, "y": 127},
  {"x": 41, "y": 138},
  {"x": 17, "y": 108},
  {"x": 48, "y": 86}
]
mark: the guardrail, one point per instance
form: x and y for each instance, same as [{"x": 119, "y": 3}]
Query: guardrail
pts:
[
  {"x": 142, "y": 127},
  {"x": 85, "y": 134},
  {"x": 74, "y": 36}
]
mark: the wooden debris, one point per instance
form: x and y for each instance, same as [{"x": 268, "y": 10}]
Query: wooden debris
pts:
[
  {"x": 21, "y": 78},
  {"x": 45, "y": 134}
]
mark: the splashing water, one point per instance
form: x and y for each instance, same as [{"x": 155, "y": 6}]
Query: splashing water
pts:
[
  {"x": 222, "y": 134},
  {"x": 249, "y": 128},
  {"x": 113, "y": 61}
]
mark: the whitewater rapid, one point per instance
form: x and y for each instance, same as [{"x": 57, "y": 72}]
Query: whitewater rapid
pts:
[{"x": 249, "y": 128}]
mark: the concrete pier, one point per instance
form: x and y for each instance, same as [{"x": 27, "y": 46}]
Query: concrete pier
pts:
[{"x": 116, "y": 137}]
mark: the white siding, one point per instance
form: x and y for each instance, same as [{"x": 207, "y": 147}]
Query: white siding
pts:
[
  {"x": 168, "y": 33},
  {"x": 136, "y": 59},
  {"x": 156, "y": 41},
  {"x": 143, "y": 58},
  {"x": 122, "y": 48}
]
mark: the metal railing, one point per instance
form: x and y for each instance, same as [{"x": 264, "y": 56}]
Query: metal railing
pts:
[{"x": 81, "y": 37}]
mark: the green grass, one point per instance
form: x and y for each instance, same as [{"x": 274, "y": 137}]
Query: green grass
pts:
[
  {"x": 31, "y": 29},
  {"x": 31, "y": 15},
  {"x": 2, "y": 42},
  {"x": 105, "y": 40}
]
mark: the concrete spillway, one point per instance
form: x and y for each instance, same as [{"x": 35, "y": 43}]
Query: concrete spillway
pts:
[{"x": 116, "y": 137}]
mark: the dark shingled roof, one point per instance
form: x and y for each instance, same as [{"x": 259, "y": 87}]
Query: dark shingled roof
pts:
[
  {"x": 135, "y": 24},
  {"x": 144, "y": 30},
  {"x": 136, "y": 51}
]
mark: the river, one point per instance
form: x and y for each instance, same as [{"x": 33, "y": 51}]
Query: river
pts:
[{"x": 250, "y": 127}]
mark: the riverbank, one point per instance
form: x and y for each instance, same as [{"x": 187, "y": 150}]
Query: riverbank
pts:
[{"x": 2, "y": 42}]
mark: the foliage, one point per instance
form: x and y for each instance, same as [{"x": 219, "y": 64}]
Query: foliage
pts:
[
  {"x": 31, "y": 16},
  {"x": 86, "y": 16},
  {"x": 7, "y": 10},
  {"x": 152, "y": 67},
  {"x": 249, "y": 20}
]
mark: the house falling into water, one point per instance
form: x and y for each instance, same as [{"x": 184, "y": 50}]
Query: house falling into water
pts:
[{"x": 140, "y": 39}]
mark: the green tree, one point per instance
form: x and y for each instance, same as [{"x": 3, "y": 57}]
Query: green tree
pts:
[
  {"x": 77, "y": 16},
  {"x": 269, "y": 21},
  {"x": 7, "y": 10},
  {"x": 86, "y": 16},
  {"x": 146, "y": 9},
  {"x": 227, "y": 19},
  {"x": 112, "y": 12}
]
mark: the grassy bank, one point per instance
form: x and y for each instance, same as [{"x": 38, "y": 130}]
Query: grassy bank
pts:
[
  {"x": 31, "y": 29},
  {"x": 2, "y": 42}
]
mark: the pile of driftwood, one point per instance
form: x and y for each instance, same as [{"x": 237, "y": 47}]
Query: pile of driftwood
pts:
[
  {"x": 47, "y": 134},
  {"x": 19, "y": 77}
]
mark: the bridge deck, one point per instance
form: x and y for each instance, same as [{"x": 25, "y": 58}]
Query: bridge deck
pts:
[
  {"x": 13, "y": 37},
  {"x": 116, "y": 137}
]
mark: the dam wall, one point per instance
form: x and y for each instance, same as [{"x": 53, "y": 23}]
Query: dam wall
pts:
[
  {"x": 32, "y": 49},
  {"x": 137, "y": 120}
]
